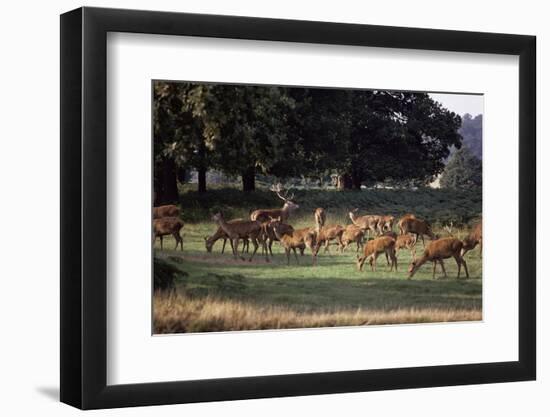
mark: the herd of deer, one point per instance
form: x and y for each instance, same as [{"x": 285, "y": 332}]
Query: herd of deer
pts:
[{"x": 266, "y": 226}]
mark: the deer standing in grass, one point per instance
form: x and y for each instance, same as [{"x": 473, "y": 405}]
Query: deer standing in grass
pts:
[
  {"x": 368, "y": 223},
  {"x": 352, "y": 233},
  {"x": 375, "y": 247},
  {"x": 328, "y": 234},
  {"x": 406, "y": 242},
  {"x": 320, "y": 219},
  {"x": 244, "y": 229},
  {"x": 418, "y": 228},
  {"x": 269, "y": 233},
  {"x": 168, "y": 210},
  {"x": 220, "y": 234},
  {"x": 436, "y": 251},
  {"x": 402, "y": 219},
  {"x": 265, "y": 215},
  {"x": 385, "y": 224},
  {"x": 168, "y": 226},
  {"x": 474, "y": 238},
  {"x": 295, "y": 240}
]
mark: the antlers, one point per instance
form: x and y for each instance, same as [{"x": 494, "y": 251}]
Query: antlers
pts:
[
  {"x": 278, "y": 188},
  {"x": 449, "y": 229}
]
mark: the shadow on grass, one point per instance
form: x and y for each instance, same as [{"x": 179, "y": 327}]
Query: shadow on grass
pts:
[{"x": 314, "y": 293}]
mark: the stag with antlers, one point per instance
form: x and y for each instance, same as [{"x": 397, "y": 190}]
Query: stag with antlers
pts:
[{"x": 265, "y": 215}]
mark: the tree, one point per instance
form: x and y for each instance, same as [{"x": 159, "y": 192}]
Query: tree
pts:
[
  {"x": 370, "y": 136},
  {"x": 464, "y": 170},
  {"x": 471, "y": 132}
]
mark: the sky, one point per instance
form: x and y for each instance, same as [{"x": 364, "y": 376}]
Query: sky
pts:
[{"x": 460, "y": 103}]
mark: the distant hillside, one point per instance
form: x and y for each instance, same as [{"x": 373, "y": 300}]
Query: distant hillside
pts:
[{"x": 471, "y": 132}]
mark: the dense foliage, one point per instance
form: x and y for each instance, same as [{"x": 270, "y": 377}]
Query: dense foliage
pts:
[
  {"x": 471, "y": 132},
  {"x": 463, "y": 170},
  {"x": 360, "y": 136}
]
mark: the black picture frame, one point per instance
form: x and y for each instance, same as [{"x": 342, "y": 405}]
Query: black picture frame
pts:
[{"x": 84, "y": 207}]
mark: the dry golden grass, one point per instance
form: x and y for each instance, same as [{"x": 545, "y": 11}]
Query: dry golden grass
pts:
[{"x": 177, "y": 313}]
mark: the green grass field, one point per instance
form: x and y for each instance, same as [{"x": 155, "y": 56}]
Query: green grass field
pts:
[{"x": 217, "y": 292}]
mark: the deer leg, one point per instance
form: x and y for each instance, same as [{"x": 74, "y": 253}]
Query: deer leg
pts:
[
  {"x": 394, "y": 259},
  {"x": 236, "y": 248},
  {"x": 423, "y": 243},
  {"x": 177, "y": 237},
  {"x": 270, "y": 245},
  {"x": 296, "y": 256},
  {"x": 433, "y": 274},
  {"x": 375, "y": 257},
  {"x": 361, "y": 261},
  {"x": 387, "y": 258},
  {"x": 160, "y": 242},
  {"x": 413, "y": 253},
  {"x": 223, "y": 247},
  {"x": 256, "y": 245},
  {"x": 443, "y": 268},
  {"x": 465, "y": 268}
]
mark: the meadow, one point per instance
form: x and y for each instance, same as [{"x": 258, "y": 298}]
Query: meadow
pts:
[{"x": 215, "y": 292}]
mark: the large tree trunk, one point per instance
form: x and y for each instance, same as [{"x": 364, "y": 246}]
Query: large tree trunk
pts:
[
  {"x": 344, "y": 182},
  {"x": 356, "y": 181},
  {"x": 166, "y": 184},
  {"x": 249, "y": 179},
  {"x": 201, "y": 180}
]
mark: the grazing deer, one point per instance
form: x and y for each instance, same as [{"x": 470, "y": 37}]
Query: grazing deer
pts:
[
  {"x": 220, "y": 234},
  {"x": 265, "y": 215},
  {"x": 385, "y": 224},
  {"x": 367, "y": 223},
  {"x": 373, "y": 248},
  {"x": 168, "y": 210},
  {"x": 475, "y": 237},
  {"x": 240, "y": 230},
  {"x": 295, "y": 240},
  {"x": 168, "y": 226},
  {"x": 436, "y": 251},
  {"x": 352, "y": 233},
  {"x": 269, "y": 234},
  {"x": 406, "y": 242},
  {"x": 417, "y": 228},
  {"x": 402, "y": 219},
  {"x": 328, "y": 234},
  {"x": 320, "y": 219}
]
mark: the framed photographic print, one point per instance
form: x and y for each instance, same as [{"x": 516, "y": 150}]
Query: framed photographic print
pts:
[{"x": 257, "y": 208}]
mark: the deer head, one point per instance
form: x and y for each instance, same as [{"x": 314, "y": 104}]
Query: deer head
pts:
[{"x": 289, "y": 204}]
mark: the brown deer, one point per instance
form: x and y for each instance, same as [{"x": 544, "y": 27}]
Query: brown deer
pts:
[
  {"x": 368, "y": 223},
  {"x": 240, "y": 230},
  {"x": 328, "y": 234},
  {"x": 320, "y": 219},
  {"x": 418, "y": 228},
  {"x": 265, "y": 215},
  {"x": 168, "y": 226},
  {"x": 406, "y": 242},
  {"x": 474, "y": 238},
  {"x": 220, "y": 234},
  {"x": 352, "y": 233},
  {"x": 436, "y": 251},
  {"x": 168, "y": 210},
  {"x": 402, "y": 219},
  {"x": 385, "y": 224},
  {"x": 295, "y": 240},
  {"x": 269, "y": 233},
  {"x": 373, "y": 248}
]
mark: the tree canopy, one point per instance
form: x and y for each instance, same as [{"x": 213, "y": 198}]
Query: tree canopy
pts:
[
  {"x": 464, "y": 170},
  {"x": 362, "y": 136}
]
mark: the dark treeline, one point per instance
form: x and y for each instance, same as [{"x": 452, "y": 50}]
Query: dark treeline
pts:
[{"x": 360, "y": 136}]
